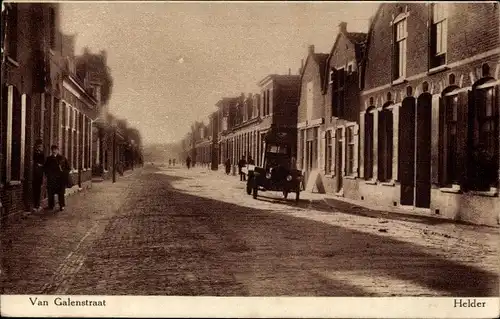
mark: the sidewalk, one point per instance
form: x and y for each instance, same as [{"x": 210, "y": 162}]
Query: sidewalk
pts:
[{"x": 37, "y": 246}]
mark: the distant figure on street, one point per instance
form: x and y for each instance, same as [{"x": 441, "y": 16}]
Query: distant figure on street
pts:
[
  {"x": 38, "y": 162},
  {"x": 227, "y": 164},
  {"x": 242, "y": 162},
  {"x": 57, "y": 170},
  {"x": 188, "y": 162},
  {"x": 169, "y": 162},
  {"x": 173, "y": 161}
]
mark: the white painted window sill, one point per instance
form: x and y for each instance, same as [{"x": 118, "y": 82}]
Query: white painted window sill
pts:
[
  {"x": 493, "y": 192},
  {"x": 390, "y": 184},
  {"x": 399, "y": 81},
  {"x": 350, "y": 177},
  {"x": 14, "y": 183},
  {"x": 454, "y": 189},
  {"x": 371, "y": 182},
  {"x": 438, "y": 69},
  {"x": 331, "y": 175}
]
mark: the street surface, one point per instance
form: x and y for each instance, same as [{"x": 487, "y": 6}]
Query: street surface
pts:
[{"x": 173, "y": 231}]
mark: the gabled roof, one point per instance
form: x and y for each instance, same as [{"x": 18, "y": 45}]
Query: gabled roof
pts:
[
  {"x": 358, "y": 39},
  {"x": 320, "y": 59}
]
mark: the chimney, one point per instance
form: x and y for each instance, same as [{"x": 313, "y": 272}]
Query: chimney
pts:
[
  {"x": 342, "y": 27},
  {"x": 311, "y": 49}
]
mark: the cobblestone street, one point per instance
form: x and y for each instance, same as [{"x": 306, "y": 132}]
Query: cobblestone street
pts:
[{"x": 173, "y": 231}]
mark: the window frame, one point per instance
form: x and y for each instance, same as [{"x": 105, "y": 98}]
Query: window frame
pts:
[
  {"x": 438, "y": 49},
  {"x": 400, "y": 48},
  {"x": 479, "y": 137},
  {"x": 350, "y": 144},
  {"x": 450, "y": 152},
  {"x": 328, "y": 152}
]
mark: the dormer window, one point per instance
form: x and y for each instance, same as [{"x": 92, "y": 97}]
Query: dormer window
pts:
[{"x": 439, "y": 35}]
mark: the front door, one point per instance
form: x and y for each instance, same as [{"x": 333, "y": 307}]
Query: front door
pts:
[
  {"x": 407, "y": 150},
  {"x": 338, "y": 159},
  {"x": 423, "y": 154}
]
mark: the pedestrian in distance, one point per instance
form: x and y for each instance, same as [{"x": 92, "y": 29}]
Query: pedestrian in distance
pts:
[
  {"x": 227, "y": 164},
  {"x": 38, "y": 163},
  {"x": 242, "y": 162},
  {"x": 169, "y": 162},
  {"x": 188, "y": 162},
  {"x": 57, "y": 171},
  {"x": 173, "y": 161}
]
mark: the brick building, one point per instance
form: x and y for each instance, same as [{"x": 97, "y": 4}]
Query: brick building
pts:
[
  {"x": 31, "y": 87},
  {"x": 311, "y": 117},
  {"x": 429, "y": 117},
  {"x": 341, "y": 91}
]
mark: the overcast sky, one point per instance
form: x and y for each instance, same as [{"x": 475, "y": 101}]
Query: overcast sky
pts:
[{"x": 171, "y": 62}]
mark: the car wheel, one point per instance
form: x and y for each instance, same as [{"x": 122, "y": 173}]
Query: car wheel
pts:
[
  {"x": 255, "y": 190},
  {"x": 285, "y": 194},
  {"x": 297, "y": 196}
]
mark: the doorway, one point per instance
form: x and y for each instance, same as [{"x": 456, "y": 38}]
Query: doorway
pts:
[{"x": 414, "y": 151}]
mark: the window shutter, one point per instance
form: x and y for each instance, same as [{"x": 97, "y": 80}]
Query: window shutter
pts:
[
  {"x": 343, "y": 169},
  {"x": 462, "y": 133},
  {"x": 436, "y": 136}
]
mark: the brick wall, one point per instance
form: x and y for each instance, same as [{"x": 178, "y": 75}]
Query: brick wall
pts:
[
  {"x": 344, "y": 52},
  {"x": 311, "y": 73},
  {"x": 472, "y": 29}
]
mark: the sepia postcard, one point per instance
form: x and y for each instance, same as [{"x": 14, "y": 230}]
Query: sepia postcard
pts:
[{"x": 250, "y": 159}]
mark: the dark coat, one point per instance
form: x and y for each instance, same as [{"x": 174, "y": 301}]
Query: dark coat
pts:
[
  {"x": 38, "y": 163},
  {"x": 57, "y": 171},
  {"x": 242, "y": 163}
]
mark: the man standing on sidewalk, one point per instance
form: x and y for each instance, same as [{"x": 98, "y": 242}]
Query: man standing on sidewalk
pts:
[
  {"x": 38, "y": 163},
  {"x": 57, "y": 170}
]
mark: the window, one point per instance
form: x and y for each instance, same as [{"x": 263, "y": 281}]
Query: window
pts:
[
  {"x": 328, "y": 152},
  {"x": 301, "y": 148},
  {"x": 312, "y": 148},
  {"x": 484, "y": 171},
  {"x": 268, "y": 103},
  {"x": 309, "y": 100},
  {"x": 399, "y": 52},
  {"x": 338, "y": 93},
  {"x": 385, "y": 139},
  {"x": 12, "y": 132},
  {"x": 350, "y": 169},
  {"x": 52, "y": 26},
  {"x": 451, "y": 169},
  {"x": 368, "y": 164},
  {"x": 11, "y": 30},
  {"x": 439, "y": 35}
]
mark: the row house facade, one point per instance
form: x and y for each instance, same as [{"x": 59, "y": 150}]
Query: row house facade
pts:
[
  {"x": 202, "y": 140},
  {"x": 43, "y": 98},
  {"x": 246, "y": 119},
  {"x": 328, "y": 122},
  {"x": 429, "y": 120}
]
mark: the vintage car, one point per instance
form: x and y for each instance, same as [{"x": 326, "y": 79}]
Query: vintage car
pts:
[{"x": 277, "y": 172}]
